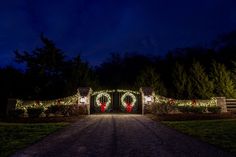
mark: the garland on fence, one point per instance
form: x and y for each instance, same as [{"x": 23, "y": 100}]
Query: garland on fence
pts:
[
  {"x": 20, "y": 104},
  {"x": 103, "y": 91},
  {"x": 125, "y": 91},
  {"x": 194, "y": 102}
]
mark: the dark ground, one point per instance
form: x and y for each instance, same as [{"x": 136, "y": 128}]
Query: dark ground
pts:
[{"x": 119, "y": 135}]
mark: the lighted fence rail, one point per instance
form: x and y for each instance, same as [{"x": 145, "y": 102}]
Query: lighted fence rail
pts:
[
  {"x": 20, "y": 104},
  {"x": 194, "y": 102}
]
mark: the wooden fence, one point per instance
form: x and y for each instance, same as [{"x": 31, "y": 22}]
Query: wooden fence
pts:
[{"x": 231, "y": 105}]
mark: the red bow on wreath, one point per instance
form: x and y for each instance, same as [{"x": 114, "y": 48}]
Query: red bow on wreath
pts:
[
  {"x": 129, "y": 107},
  {"x": 103, "y": 107}
]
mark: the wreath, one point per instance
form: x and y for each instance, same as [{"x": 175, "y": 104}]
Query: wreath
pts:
[
  {"x": 103, "y": 105},
  {"x": 128, "y": 105}
]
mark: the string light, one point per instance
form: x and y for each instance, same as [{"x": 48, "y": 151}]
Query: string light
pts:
[
  {"x": 125, "y": 95},
  {"x": 210, "y": 102},
  {"x": 125, "y": 91},
  {"x": 20, "y": 104},
  {"x": 101, "y": 94},
  {"x": 103, "y": 91}
]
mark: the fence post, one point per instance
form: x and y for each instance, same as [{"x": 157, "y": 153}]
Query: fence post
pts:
[{"x": 221, "y": 101}]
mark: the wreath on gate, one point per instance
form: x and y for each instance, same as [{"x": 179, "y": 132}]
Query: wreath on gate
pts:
[
  {"x": 128, "y": 105},
  {"x": 103, "y": 105}
]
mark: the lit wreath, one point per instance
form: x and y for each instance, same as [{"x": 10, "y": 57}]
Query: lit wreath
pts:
[
  {"x": 126, "y": 105},
  {"x": 103, "y": 106}
]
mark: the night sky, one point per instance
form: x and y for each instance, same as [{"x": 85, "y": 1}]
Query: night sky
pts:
[{"x": 94, "y": 28}]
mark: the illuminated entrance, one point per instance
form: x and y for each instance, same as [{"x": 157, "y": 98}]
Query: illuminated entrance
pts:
[{"x": 116, "y": 101}]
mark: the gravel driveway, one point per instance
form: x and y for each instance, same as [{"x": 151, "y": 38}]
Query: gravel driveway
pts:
[{"x": 119, "y": 135}]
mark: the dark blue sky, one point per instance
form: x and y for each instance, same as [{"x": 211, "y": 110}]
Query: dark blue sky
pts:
[{"x": 95, "y": 28}]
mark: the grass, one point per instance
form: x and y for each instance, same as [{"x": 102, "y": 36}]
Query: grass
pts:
[
  {"x": 15, "y": 136},
  {"x": 221, "y": 133}
]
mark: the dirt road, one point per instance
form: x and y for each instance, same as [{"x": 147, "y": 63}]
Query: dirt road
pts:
[{"x": 119, "y": 136}]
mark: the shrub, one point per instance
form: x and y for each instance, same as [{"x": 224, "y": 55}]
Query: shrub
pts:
[
  {"x": 184, "y": 109},
  {"x": 214, "y": 109},
  {"x": 76, "y": 110},
  {"x": 58, "y": 109},
  {"x": 163, "y": 108},
  {"x": 197, "y": 109},
  {"x": 67, "y": 110},
  {"x": 191, "y": 109},
  {"x": 34, "y": 112},
  {"x": 17, "y": 113},
  {"x": 148, "y": 108}
]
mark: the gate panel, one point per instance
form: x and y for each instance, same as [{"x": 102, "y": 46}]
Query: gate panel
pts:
[
  {"x": 130, "y": 101},
  {"x": 116, "y": 101},
  {"x": 101, "y": 102}
]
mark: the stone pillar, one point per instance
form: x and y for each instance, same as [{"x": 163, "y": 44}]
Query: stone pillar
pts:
[
  {"x": 222, "y": 103},
  {"x": 11, "y": 105},
  {"x": 142, "y": 100},
  {"x": 147, "y": 96},
  {"x": 89, "y": 99},
  {"x": 85, "y": 92}
]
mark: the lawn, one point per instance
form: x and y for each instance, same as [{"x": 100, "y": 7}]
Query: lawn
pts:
[
  {"x": 15, "y": 136},
  {"x": 221, "y": 133}
]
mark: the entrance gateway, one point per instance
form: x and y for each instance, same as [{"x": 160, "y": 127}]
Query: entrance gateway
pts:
[{"x": 115, "y": 101}]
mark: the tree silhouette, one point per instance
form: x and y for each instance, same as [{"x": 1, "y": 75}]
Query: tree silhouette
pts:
[
  {"x": 44, "y": 71},
  {"x": 202, "y": 86},
  {"x": 150, "y": 78},
  {"x": 224, "y": 85},
  {"x": 180, "y": 80}
]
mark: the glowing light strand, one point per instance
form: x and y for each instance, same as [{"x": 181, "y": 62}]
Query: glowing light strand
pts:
[
  {"x": 101, "y": 94},
  {"x": 125, "y": 95}
]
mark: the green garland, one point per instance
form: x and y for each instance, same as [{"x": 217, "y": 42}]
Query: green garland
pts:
[
  {"x": 128, "y": 94},
  {"x": 105, "y": 94}
]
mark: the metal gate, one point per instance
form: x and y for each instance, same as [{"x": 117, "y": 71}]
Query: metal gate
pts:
[{"x": 116, "y": 101}]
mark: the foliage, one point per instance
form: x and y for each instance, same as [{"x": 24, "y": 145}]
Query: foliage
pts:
[
  {"x": 163, "y": 108},
  {"x": 191, "y": 109},
  {"x": 49, "y": 73},
  {"x": 44, "y": 68},
  {"x": 216, "y": 132},
  {"x": 66, "y": 110},
  {"x": 17, "y": 113},
  {"x": 224, "y": 85},
  {"x": 34, "y": 112},
  {"x": 150, "y": 78},
  {"x": 78, "y": 74},
  {"x": 57, "y": 109},
  {"x": 214, "y": 109},
  {"x": 75, "y": 110},
  {"x": 184, "y": 109},
  {"x": 180, "y": 81},
  {"x": 17, "y": 136},
  {"x": 203, "y": 87}
]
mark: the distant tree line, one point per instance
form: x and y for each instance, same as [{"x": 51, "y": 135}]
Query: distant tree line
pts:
[{"x": 183, "y": 73}]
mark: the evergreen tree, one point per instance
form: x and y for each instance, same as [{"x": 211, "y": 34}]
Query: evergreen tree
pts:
[
  {"x": 150, "y": 78},
  {"x": 202, "y": 86},
  {"x": 190, "y": 89},
  {"x": 45, "y": 67},
  {"x": 78, "y": 74},
  {"x": 222, "y": 78},
  {"x": 180, "y": 80}
]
